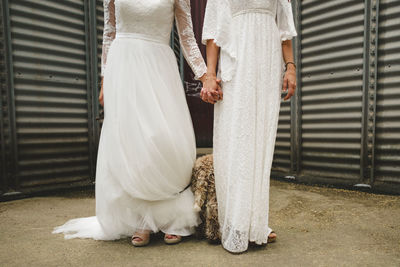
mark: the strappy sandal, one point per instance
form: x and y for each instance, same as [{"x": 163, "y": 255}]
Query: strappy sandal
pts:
[
  {"x": 171, "y": 241},
  {"x": 272, "y": 239},
  {"x": 142, "y": 241}
]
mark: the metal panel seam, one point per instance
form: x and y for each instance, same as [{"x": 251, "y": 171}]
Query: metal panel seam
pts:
[
  {"x": 11, "y": 96},
  {"x": 364, "y": 120},
  {"x": 375, "y": 88},
  {"x": 296, "y": 111},
  {"x": 3, "y": 179},
  {"x": 88, "y": 44},
  {"x": 94, "y": 84}
]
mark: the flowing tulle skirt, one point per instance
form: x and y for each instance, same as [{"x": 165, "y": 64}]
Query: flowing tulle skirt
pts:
[{"x": 147, "y": 147}]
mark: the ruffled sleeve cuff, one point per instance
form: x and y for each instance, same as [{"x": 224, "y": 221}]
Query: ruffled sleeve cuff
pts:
[
  {"x": 285, "y": 21},
  {"x": 218, "y": 27}
]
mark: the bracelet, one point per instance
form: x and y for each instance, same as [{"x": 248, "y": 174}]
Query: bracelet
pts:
[{"x": 288, "y": 64}]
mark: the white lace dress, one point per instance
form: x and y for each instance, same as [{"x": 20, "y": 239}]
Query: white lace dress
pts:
[
  {"x": 147, "y": 146},
  {"x": 245, "y": 122}
]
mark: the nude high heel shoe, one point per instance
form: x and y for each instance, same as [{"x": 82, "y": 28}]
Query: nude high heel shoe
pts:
[
  {"x": 171, "y": 241},
  {"x": 141, "y": 239}
]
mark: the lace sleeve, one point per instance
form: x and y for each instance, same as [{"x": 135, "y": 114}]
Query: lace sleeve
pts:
[
  {"x": 284, "y": 20},
  {"x": 108, "y": 32},
  {"x": 188, "y": 43}
]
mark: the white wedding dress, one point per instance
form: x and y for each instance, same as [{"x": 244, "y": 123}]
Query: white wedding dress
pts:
[
  {"x": 249, "y": 34},
  {"x": 147, "y": 147}
]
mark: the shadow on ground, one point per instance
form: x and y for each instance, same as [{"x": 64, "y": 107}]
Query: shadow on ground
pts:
[{"x": 316, "y": 227}]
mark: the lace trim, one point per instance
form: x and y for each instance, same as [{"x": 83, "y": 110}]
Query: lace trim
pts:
[
  {"x": 190, "y": 49},
  {"x": 185, "y": 30},
  {"x": 108, "y": 31}
]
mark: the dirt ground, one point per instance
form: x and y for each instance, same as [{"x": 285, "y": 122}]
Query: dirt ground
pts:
[{"x": 316, "y": 227}]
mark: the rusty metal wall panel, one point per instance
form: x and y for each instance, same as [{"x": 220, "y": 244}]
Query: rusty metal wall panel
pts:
[
  {"x": 387, "y": 140},
  {"x": 50, "y": 77},
  {"x": 332, "y": 88}
]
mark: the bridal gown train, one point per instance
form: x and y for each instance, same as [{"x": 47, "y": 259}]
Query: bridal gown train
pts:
[
  {"x": 147, "y": 145},
  {"x": 249, "y": 34}
]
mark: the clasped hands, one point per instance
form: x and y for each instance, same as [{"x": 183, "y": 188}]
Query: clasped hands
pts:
[{"x": 211, "y": 91}]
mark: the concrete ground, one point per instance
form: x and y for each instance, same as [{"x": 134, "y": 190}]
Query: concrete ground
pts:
[{"x": 316, "y": 227}]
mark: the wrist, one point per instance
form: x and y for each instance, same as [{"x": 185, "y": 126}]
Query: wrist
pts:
[
  {"x": 291, "y": 68},
  {"x": 211, "y": 74},
  {"x": 290, "y": 65},
  {"x": 208, "y": 76}
]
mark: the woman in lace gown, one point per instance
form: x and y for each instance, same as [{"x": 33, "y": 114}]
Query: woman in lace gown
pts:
[
  {"x": 147, "y": 145},
  {"x": 248, "y": 36}
]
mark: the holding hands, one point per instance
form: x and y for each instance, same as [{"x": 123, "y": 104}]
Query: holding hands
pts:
[{"x": 211, "y": 91}]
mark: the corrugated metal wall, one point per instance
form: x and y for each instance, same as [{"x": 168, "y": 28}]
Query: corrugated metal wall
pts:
[
  {"x": 387, "y": 142},
  {"x": 55, "y": 60},
  {"x": 7, "y": 107},
  {"x": 3, "y": 103},
  {"x": 345, "y": 118},
  {"x": 49, "y": 49},
  {"x": 282, "y": 154},
  {"x": 332, "y": 37},
  {"x": 99, "y": 31},
  {"x": 343, "y": 126}
]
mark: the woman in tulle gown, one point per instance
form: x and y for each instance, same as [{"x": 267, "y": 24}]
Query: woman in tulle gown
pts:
[
  {"x": 147, "y": 145},
  {"x": 250, "y": 37}
]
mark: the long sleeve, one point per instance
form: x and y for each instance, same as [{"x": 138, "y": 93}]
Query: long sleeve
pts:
[
  {"x": 284, "y": 20},
  {"x": 108, "y": 32},
  {"x": 190, "y": 49}
]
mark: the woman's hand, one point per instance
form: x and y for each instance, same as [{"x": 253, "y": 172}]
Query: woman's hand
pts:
[
  {"x": 101, "y": 96},
  {"x": 211, "y": 91},
  {"x": 289, "y": 82}
]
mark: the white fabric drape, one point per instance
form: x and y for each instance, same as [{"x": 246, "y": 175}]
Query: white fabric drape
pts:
[
  {"x": 147, "y": 146},
  {"x": 249, "y": 34}
]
